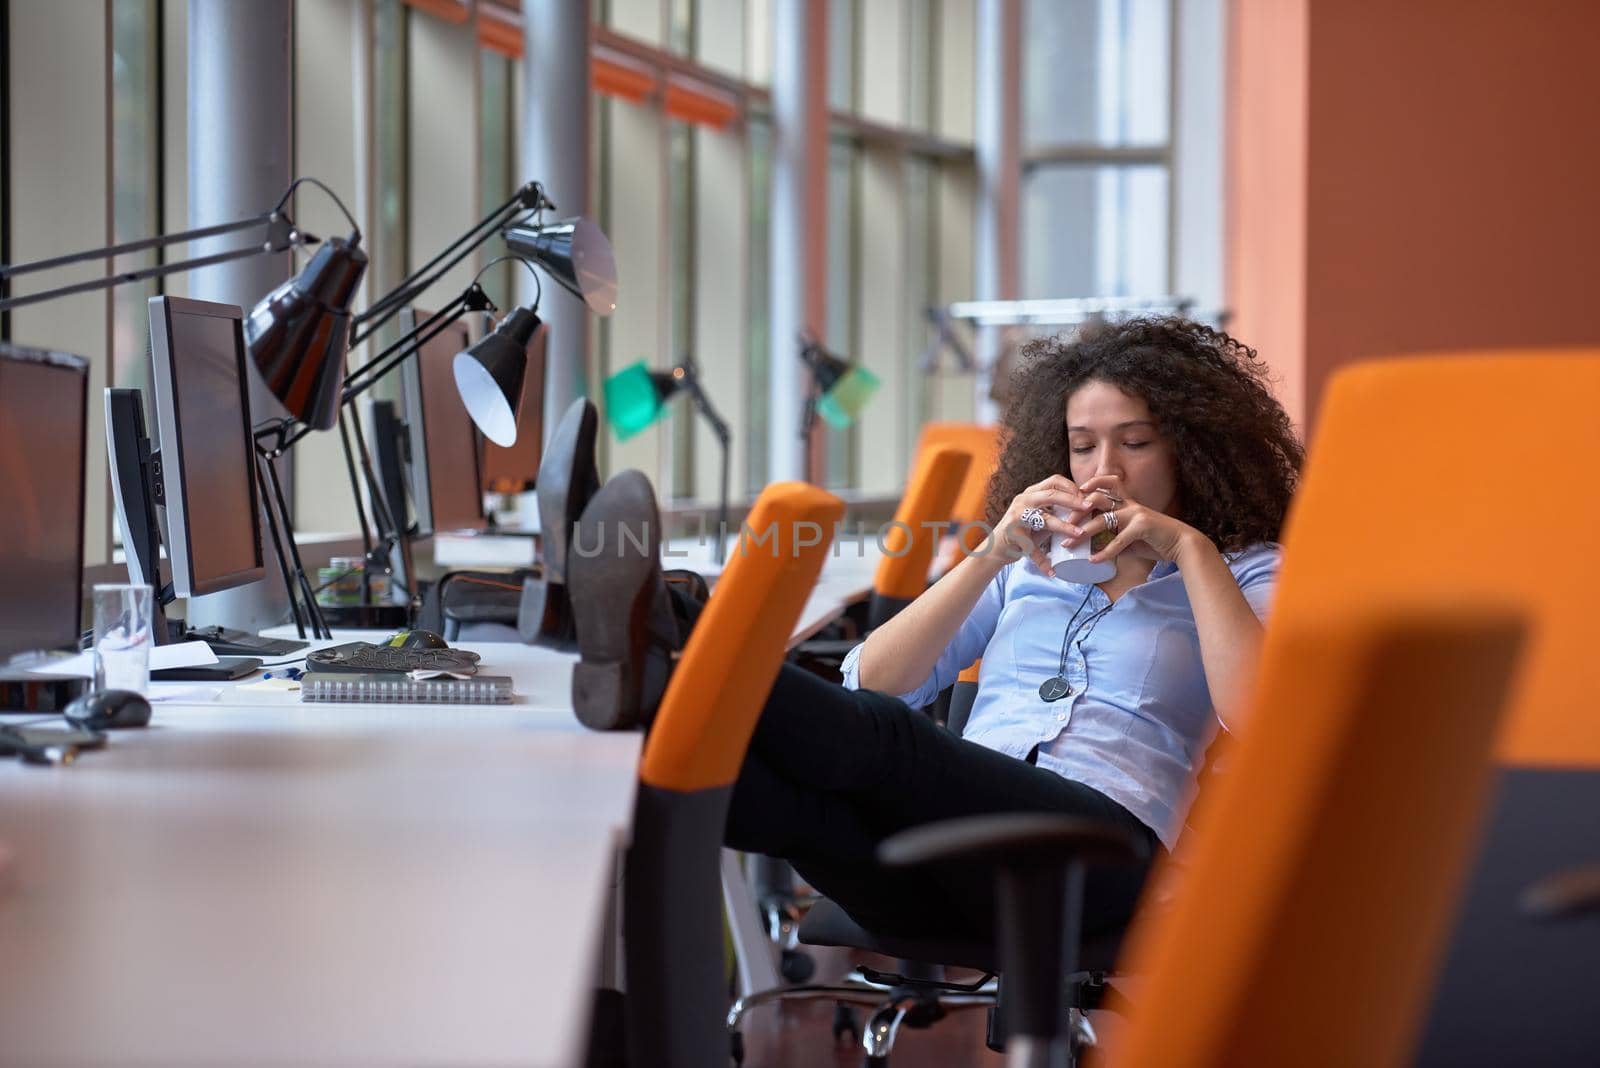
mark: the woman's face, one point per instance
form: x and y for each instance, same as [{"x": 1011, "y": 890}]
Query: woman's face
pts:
[{"x": 1110, "y": 432}]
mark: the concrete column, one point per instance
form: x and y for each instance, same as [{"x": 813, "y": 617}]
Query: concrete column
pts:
[
  {"x": 799, "y": 218},
  {"x": 555, "y": 145},
  {"x": 241, "y": 152},
  {"x": 998, "y": 145}
]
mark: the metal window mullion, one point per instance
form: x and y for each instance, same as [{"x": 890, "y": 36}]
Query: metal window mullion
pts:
[
  {"x": 108, "y": 504},
  {"x": 1171, "y": 161},
  {"x": 1097, "y": 155}
]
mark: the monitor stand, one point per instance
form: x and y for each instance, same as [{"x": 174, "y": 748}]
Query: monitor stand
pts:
[{"x": 225, "y": 641}]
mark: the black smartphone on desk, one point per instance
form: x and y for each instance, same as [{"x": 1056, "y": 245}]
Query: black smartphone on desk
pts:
[{"x": 48, "y": 745}]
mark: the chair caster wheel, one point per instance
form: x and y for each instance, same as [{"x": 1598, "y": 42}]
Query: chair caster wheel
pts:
[
  {"x": 796, "y": 966},
  {"x": 874, "y": 1062},
  {"x": 844, "y": 1023},
  {"x": 736, "y": 1046}
]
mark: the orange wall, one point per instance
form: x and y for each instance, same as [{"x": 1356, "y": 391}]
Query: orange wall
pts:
[
  {"x": 1266, "y": 187},
  {"x": 1450, "y": 196}
]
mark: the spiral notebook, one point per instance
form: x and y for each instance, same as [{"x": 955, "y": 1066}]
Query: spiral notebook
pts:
[{"x": 402, "y": 689}]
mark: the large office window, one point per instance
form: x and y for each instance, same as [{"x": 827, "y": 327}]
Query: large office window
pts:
[
  {"x": 135, "y": 177},
  {"x": 1098, "y": 163},
  {"x": 683, "y": 178},
  {"x": 696, "y": 279}
]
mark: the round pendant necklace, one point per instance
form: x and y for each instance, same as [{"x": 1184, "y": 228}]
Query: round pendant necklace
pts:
[{"x": 1056, "y": 686}]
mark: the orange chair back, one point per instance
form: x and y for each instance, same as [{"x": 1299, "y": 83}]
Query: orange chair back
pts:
[
  {"x": 930, "y": 497},
  {"x": 1474, "y": 475},
  {"x": 703, "y": 725},
  {"x": 1316, "y": 895},
  {"x": 982, "y": 443}
]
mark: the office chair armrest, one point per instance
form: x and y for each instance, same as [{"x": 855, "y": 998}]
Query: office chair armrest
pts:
[
  {"x": 830, "y": 648},
  {"x": 1563, "y": 895},
  {"x": 1013, "y": 838}
]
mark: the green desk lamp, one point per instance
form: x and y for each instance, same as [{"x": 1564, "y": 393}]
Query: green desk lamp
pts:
[
  {"x": 637, "y": 396},
  {"x": 839, "y": 389}
]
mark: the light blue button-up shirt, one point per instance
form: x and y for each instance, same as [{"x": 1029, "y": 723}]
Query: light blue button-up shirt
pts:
[{"x": 1139, "y": 717}]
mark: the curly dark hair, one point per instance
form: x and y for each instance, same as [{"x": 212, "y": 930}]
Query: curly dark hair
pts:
[{"x": 1238, "y": 459}]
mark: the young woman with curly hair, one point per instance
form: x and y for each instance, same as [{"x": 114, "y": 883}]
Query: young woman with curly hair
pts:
[{"x": 1095, "y": 700}]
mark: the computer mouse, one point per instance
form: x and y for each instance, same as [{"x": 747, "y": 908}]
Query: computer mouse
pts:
[
  {"x": 417, "y": 639},
  {"x": 108, "y": 709}
]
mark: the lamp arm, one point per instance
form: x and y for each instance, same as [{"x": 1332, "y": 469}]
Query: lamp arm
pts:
[
  {"x": 372, "y": 372},
  {"x": 12, "y": 270},
  {"x": 281, "y": 236},
  {"x": 529, "y": 198},
  {"x": 719, "y": 427}
]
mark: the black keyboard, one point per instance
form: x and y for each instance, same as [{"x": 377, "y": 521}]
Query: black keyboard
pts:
[
  {"x": 364, "y": 658},
  {"x": 225, "y": 641}
]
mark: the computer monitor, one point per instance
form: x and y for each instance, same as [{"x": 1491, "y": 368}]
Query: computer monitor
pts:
[
  {"x": 44, "y": 400},
  {"x": 207, "y": 468},
  {"x": 446, "y": 484},
  {"x": 516, "y": 467},
  {"x": 131, "y": 465}
]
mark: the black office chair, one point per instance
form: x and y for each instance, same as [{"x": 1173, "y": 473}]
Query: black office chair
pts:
[
  {"x": 918, "y": 993},
  {"x": 474, "y": 605}
]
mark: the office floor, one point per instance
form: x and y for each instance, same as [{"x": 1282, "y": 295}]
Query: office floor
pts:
[{"x": 799, "y": 1034}]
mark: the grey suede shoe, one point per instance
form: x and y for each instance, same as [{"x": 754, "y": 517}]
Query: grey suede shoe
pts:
[{"x": 627, "y": 631}]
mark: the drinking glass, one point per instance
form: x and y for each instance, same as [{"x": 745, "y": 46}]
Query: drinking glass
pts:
[{"x": 123, "y": 634}]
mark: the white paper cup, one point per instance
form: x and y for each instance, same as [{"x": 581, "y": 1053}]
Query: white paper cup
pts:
[{"x": 1071, "y": 563}]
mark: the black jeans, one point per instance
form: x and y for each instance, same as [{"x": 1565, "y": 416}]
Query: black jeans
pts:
[{"x": 832, "y": 772}]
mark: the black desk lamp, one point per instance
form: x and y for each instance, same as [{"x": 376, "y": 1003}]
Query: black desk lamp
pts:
[
  {"x": 306, "y": 378},
  {"x": 636, "y": 396},
  {"x": 489, "y": 378}
]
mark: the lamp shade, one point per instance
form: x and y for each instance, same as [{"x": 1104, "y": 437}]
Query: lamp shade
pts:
[
  {"x": 843, "y": 404},
  {"x": 635, "y": 396},
  {"x": 298, "y": 334},
  {"x": 489, "y": 376},
  {"x": 576, "y": 253},
  {"x": 845, "y": 387}
]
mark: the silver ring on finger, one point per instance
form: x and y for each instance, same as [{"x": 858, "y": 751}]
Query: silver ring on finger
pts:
[
  {"x": 1111, "y": 521},
  {"x": 1033, "y": 519}
]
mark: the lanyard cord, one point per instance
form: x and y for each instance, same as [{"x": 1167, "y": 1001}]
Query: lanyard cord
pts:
[{"x": 1092, "y": 621}]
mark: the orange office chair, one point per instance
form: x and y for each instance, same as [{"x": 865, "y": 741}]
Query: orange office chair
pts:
[
  {"x": 1312, "y": 905},
  {"x": 1335, "y": 849},
  {"x": 982, "y": 444},
  {"x": 672, "y": 918},
  {"x": 908, "y": 546},
  {"x": 936, "y": 484},
  {"x": 1494, "y": 455}
]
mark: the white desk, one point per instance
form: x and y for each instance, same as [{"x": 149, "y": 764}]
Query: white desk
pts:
[
  {"x": 256, "y": 879},
  {"x": 846, "y": 578},
  {"x": 259, "y": 880}
]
